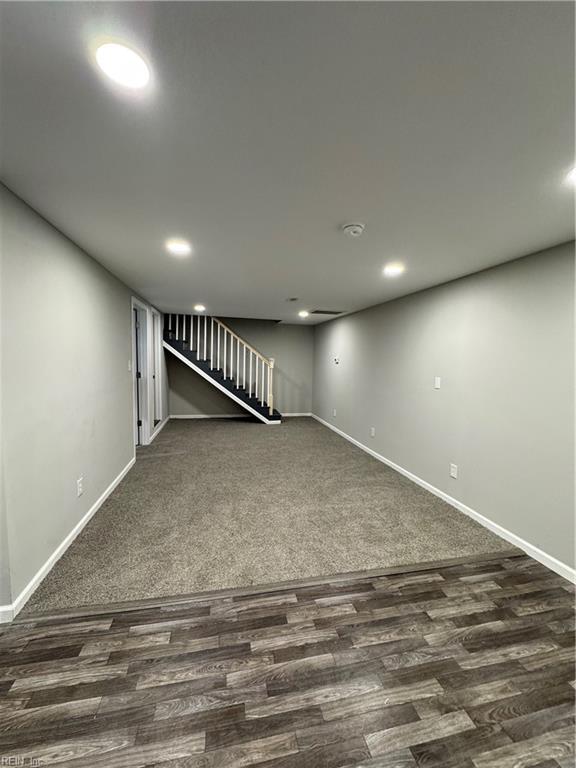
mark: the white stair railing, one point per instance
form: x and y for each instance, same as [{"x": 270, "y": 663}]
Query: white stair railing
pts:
[{"x": 213, "y": 341}]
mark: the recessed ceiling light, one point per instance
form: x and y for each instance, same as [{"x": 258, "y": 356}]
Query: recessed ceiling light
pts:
[
  {"x": 571, "y": 177},
  {"x": 123, "y": 65},
  {"x": 303, "y": 313},
  {"x": 394, "y": 269},
  {"x": 199, "y": 308},
  {"x": 178, "y": 246}
]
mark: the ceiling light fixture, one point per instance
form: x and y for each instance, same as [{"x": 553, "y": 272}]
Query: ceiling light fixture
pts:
[
  {"x": 123, "y": 65},
  {"x": 177, "y": 246},
  {"x": 303, "y": 313},
  {"x": 199, "y": 308},
  {"x": 394, "y": 269},
  {"x": 571, "y": 177}
]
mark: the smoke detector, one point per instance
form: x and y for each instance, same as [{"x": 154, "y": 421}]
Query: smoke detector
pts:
[{"x": 353, "y": 230}]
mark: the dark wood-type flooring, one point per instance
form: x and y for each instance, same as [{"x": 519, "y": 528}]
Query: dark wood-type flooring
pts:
[{"x": 456, "y": 665}]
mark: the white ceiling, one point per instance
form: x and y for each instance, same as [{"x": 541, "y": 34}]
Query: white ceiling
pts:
[{"x": 446, "y": 127}]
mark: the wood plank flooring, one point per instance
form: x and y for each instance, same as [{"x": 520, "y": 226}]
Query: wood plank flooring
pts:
[{"x": 456, "y": 665}]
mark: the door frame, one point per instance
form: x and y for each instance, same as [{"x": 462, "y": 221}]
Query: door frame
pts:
[
  {"x": 157, "y": 416},
  {"x": 140, "y": 313},
  {"x": 150, "y": 352}
]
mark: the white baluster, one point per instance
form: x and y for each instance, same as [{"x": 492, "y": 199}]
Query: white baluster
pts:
[
  {"x": 250, "y": 377},
  {"x": 244, "y": 366},
  {"x": 225, "y": 334},
  {"x": 262, "y": 392},
  {"x": 211, "y": 343},
  {"x": 204, "y": 337}
]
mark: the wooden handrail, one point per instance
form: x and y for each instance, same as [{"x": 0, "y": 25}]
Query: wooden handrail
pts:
[{"x": 266, "y": 360}]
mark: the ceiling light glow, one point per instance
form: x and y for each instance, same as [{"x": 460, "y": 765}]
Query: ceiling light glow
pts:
[
  {"x": 571, "y": 177},
  {"x": 303, "y": 313},
  {"x": 177, "y": 246},
  {"x": 123, "y": 65},
  {"x": 199, "y": 308},
  {"x": 394, "y": 269}
]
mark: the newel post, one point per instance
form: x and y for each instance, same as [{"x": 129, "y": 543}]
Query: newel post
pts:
[{"x": 270, "y": 387}]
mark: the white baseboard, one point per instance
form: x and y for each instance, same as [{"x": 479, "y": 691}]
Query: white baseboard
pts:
[
  {"x": 289, "y": 415},
  {"x": 207, "y": 416},
  {"x": 158, "y": 429},
  {"x": 7, "y": 613},
  {"x": 543, "y": 557}
]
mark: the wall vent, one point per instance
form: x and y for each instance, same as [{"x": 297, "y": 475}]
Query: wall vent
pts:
[{"x": 327, "y": 312}]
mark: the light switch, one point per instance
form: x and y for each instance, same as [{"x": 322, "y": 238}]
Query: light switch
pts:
[{"x": 437, "y": 382}]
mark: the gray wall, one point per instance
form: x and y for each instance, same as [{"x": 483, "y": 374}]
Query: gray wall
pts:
[
  {"x": 67, "y": 394},
  {"x": 503, "y": 342},
  {"x": 191, "y": 395},
  {"x": 5, "y": 589},
  {"x": 291, "y": 346}
]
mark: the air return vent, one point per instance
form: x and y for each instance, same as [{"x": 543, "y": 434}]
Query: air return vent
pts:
[{"x": 326, "y": 312}]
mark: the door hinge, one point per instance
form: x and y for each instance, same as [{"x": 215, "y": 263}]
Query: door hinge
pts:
[
  {"x": 139, "y": 422},
  {"x": 138, "y": 375}
]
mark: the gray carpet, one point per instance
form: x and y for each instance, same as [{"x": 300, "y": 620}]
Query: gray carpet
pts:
[{"x": 225, "y": 503}]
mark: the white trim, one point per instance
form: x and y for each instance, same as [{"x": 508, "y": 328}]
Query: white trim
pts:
[
  {"x": 158, "y": 429},
  {"x": 156, "y": 383},
  {"x": 144, "y": 356},
  {"x": 214, "y": 383},
  {"x": 543, "y": 557},
  {"x": 208, "y": 416},
  {"x": 289, "y": 415},
  {"x": 9, "y": 612}
]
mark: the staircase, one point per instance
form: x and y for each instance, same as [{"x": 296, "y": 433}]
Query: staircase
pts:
[{"x": 219, "y": 355}]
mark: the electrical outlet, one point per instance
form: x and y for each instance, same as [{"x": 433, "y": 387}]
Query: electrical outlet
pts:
[
  {"x": 454, "y": 470},
  {"x": 334, "y": 412},
  {"x": 80, "y": 486},
  {"x": 437, "y": 382},
  {"x": 372, "y": 431}
]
